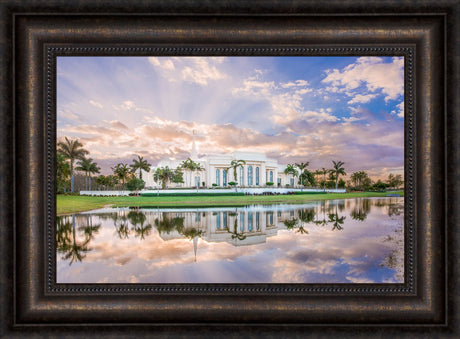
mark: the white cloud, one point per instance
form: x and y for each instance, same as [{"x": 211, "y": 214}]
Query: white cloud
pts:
[
  {"x": 164, "y": 63},
  {"x": 303, "y": 91},
  {"x": 129, "y": 105},
  {"x": 297, "y": 83},
  {"x": 399, "y": 111},
  {"x": 67, "y": 114},
  {"x": 198, "y": 70},
  {"x": 96, "y": 104},
  {"x": 361, "y": 99},
  {"x": 373, "y": 73},
  {"x": 254, "y": 87}
]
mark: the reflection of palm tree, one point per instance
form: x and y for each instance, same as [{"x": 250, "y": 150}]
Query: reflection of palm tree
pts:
[
  {"x": 307, "y": 215},
  {"x": 121, "y": 225},
  {"x": 291, "y": 223},
  {"x": 75, "y": 251},
  {"x": 138, "y": 219},
  {"x": 63, "y": 234},
  {"x": 168, "y": 224},
  {"x": 361, "y": 209},
  {"x": 89, "y": 230},
  {"x": 336, "y": 221},
  {"x": 235, "y": 234},
  {"x": 324, "y": 221},
  {"x": 394, "y": 208},
  {"x": 191, "y": 233},
  {"x": 302, "y": 230}
]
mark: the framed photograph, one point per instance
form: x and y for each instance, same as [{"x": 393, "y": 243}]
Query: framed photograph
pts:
[
  {"x": 227, "y": 191},
  {"x": 234, "y": 169}
]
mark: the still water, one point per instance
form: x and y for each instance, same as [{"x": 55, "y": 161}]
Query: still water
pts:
[{"x": 340, "y": 241}]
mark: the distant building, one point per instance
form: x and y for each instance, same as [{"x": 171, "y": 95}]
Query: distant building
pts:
[{"x": 257, "y": 171}]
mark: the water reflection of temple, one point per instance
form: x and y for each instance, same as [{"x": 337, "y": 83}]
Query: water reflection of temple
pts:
[{"x": 239, "y": 226}]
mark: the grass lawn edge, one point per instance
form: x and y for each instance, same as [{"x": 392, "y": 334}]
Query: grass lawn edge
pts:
[{"x": 67, "y": 204}]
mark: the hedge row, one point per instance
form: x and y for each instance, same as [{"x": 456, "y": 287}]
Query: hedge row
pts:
[
  {"x": 192, "y": 194},
  {"x": 321, "y": 192}
]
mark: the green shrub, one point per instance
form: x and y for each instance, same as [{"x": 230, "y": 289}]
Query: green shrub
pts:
[
  {"x": 269, "y": 183},
  {"x": 135, "y": 184}
]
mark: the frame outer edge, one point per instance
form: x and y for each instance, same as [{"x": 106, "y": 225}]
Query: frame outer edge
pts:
[{"x": 452, "y": 167}]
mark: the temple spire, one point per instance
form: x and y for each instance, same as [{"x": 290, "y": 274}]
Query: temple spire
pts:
[{"x": 194, "y": 155}]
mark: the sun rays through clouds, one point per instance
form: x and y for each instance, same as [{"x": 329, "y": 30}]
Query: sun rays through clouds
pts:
[{"x": 291, "y": 108}]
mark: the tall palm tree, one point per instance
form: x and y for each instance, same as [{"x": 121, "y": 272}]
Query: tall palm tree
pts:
[
  {"x": 121, "y": 171},
  {"x": 62, "y": 172},
  {"x": 302, "y": 166},
  {"x": 190, "y": 166},
  {"x": 140, "y": 164},
  {"x": 235, "y": 164},
  {"x": 290, "y": 169},
  {"x": 93, "y": 169},
  {"x": 317, "y": 173},
  {"x": 337, "y": 170},
  {"x": 72, "y": 150},
  {"x": 89, "y": 167}
]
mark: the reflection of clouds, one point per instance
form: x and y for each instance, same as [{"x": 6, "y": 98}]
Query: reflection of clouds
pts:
[{"x": 369, "y": 251}]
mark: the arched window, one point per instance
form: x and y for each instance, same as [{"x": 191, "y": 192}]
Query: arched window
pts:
[
  {"x": 250, "y": 221},
  {"x": 241, "y": 221},
  {"x": 224, "y": 173},
  {"x": 249, "y": 175},
  {"x": 271, "y": 176},
  {"x": 257, "y": 176},
  {"x": 241, "y": 176},
  {"x": 218, "y": 177}
]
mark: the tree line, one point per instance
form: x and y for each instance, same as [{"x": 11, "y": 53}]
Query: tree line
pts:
[{"x": 71, "y": 152}]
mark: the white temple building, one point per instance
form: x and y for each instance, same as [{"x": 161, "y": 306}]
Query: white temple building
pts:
[{"x": 256, "y": 172}]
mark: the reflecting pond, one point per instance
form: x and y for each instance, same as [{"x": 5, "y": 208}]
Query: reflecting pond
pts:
[{"x": 338, "y": 241}]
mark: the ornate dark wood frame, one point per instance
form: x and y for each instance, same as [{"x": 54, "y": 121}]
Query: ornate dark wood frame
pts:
[{"x": 34, "y": 35}]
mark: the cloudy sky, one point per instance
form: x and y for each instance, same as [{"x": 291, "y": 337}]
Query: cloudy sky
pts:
[{"x": 295, "y": 109}]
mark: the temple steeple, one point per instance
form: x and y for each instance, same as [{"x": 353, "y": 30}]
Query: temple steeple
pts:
[{"x": 194, "y": 154}]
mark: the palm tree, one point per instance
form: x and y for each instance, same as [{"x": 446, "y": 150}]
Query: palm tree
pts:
[
  {"x": 317, "y": 173},
  {"x": 121, "y": 171},
  {"x": 62, "y": 173},
  {"x": 290, "y": 169},
  {"x": 337, "y": 170},
  {"x": 235, "y": 164},
  {"x": 164, "y": 175},
  {"x": 302, "y": 166},
  {"x": 72, "y": 150},
  {"x": 323, "y": 171},
  {"x": 88, "y": 166},
  {"x": 191, "y": 166},
  {"x": 140, "y": 164},
  {"x": 93, "y": 169}
]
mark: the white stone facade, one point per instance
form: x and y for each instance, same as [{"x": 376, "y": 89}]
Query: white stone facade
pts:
[{"x": 256, "y": 172}]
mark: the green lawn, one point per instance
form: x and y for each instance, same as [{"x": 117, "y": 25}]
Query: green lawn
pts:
[{"x": 70, "y": 204}]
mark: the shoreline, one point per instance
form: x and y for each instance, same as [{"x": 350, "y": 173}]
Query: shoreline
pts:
[{"x": 67, "y": 204}]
